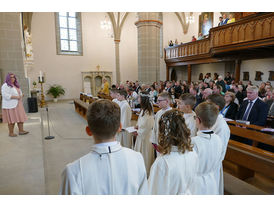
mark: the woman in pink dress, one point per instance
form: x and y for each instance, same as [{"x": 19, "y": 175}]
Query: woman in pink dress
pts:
[{"x": 12, "y": 105}]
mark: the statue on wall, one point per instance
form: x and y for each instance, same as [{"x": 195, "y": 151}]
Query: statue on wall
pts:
[
  {"x": 246, "y": 76},
  {"x": 271, "y": 76},
  {"x": 28, "y": 44},
  {"x": 201, "y": 76},
  {"x": 258, "y": 76}
]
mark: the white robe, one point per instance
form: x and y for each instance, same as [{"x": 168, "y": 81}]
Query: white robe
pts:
[
  {"x": 209, "y": 150},
  {"x": 222, "y": 130},
  {"x": 116, "y": 101},
  {"x": 145, "y": 125},
  {"x": 191, "y": 123},
  {"x": 106, "y": 170},
  {"x": 173, "y": 174},
  {"x": 155, "y": 132},
  {"x": 124, "y": 137}
]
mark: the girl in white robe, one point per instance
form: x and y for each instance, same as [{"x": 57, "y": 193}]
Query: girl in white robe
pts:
[
  {"x": 208, "y": 146},
  {"x": 174, "y": 171},
  {"x": 145, "y": 125}
]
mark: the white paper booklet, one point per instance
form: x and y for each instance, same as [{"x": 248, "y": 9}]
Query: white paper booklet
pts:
[{"x": 131, "y": 129}]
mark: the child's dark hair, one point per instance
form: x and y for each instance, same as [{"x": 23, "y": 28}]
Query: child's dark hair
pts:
[
  {"x": 145, "y": 103},
  {"x": 122, "y": 92},
  {"x": 173, "y": 132},
  {"x": 218, "y": 100},
  {"x": 103, "y": 118}
]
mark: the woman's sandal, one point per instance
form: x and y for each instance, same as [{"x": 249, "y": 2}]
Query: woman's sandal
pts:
[
  {"x": 23, "y": 133},
  {"x": 13, "y": 135}
]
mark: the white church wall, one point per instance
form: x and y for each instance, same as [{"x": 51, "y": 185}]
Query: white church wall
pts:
[
  {"x": 98, "y": 49},
  {"x": 129, "y": 49},
  {"x": 262, "y": 65},
  {"x": 219, "y": 68},
  {"x": 172, "y": 30}
]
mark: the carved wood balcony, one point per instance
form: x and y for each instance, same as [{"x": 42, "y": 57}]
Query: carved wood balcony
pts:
[{"x": 251, "y": 37}]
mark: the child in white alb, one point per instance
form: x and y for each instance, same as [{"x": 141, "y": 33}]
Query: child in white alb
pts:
[
  {"x": 208, "y": 146},
  {"x": 185, "y": 104},
  {"x": 124, "y": 137},
  {"x": 109, "y": 168},
  {"x": 164, "y": 104},
  {"x": 174, "y": 171}
]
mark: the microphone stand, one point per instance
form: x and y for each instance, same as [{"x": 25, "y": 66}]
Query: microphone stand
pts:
[{"x": 48, "y": 137}]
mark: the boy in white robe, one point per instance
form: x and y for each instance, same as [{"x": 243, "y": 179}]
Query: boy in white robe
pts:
[
  {"x": 185, "y": 104},
  {"x": 208, "y": 145},
  {"x": 113, "y": 94},
  {"x": 124, "y": 137},
  {"x": 145, "y": 125},
  {"x": 164, "y": 103},
  {"x": 222, "y": 130},
  {"x": 173, "y": 172},
  {"x": 109, "y": 169}
]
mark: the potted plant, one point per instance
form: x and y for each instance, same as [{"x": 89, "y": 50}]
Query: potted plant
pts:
[
  {"x": 56, "y": 91},
  {"x": 34, "y": 84}
]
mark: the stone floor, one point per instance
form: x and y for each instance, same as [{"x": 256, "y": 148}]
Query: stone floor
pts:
[{"x": 32, "y": 165}]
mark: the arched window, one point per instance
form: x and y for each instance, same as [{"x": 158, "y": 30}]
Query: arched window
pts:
[{"x": 68, "y": 33}]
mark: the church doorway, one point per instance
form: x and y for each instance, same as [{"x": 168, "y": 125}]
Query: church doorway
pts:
[{"x": 173, "y": 75}]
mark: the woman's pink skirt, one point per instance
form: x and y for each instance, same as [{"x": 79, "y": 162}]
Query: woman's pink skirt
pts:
[{"x": 14, "y": 115}]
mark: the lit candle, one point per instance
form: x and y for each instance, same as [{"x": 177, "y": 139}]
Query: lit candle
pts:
[{"x": 40, "y": 76}]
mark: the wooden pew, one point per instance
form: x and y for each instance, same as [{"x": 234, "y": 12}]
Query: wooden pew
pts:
[
  {"x": 81, "y": 104},
  {"x": 235, "y": 186},
  {"x": 81, "y": 107},
  {"x": 104, "y": 96},
  {"x": 249, "y": 159}
]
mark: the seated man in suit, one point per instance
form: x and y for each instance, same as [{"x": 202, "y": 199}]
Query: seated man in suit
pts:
[{"x": 253, "y": 109}]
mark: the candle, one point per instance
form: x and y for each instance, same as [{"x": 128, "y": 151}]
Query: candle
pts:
[{"x": 40, "y": 76}]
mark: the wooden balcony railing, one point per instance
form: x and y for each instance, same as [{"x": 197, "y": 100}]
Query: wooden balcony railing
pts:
[
  {"x": 249, "y": 33},
  {"x": 189, "y": 49}
]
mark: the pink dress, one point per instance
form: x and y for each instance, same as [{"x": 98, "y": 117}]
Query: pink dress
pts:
[{"x": 16, "y": 114}]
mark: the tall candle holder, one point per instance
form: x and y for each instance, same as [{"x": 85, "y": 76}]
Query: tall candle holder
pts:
[{"x": 41, "y": 80}]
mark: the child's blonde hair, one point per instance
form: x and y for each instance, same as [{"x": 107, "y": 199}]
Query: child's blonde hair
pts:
[
  {"x": 173, "y": 132},
  {"x": 207, "y": 112}
]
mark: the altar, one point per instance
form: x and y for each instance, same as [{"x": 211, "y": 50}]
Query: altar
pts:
[{"x": 92, "y": 81}]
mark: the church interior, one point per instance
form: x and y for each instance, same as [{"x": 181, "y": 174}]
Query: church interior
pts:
[{"x": 80, "y": 51}]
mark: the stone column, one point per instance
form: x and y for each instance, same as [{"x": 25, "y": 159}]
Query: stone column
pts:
[
  {"x": 148, "y": 29},
  {"x": 11, "y": 51},
  {"x": 117, "y": 61}
]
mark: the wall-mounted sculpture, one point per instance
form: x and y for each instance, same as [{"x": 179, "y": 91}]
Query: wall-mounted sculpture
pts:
[
  {"x": 258, "y": 76},
  {"x": 271, "y": 76},
  {"x": 246, "y": 76},
  {"x": 201, "y": 76}
]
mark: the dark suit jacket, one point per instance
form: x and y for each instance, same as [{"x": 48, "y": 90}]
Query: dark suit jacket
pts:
[
  {"x": 240, "y": 96},
  {"x": 258, "y": 113},
  {"x": 224, "y": 22},
  {"x": 232, "y": 111}
]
